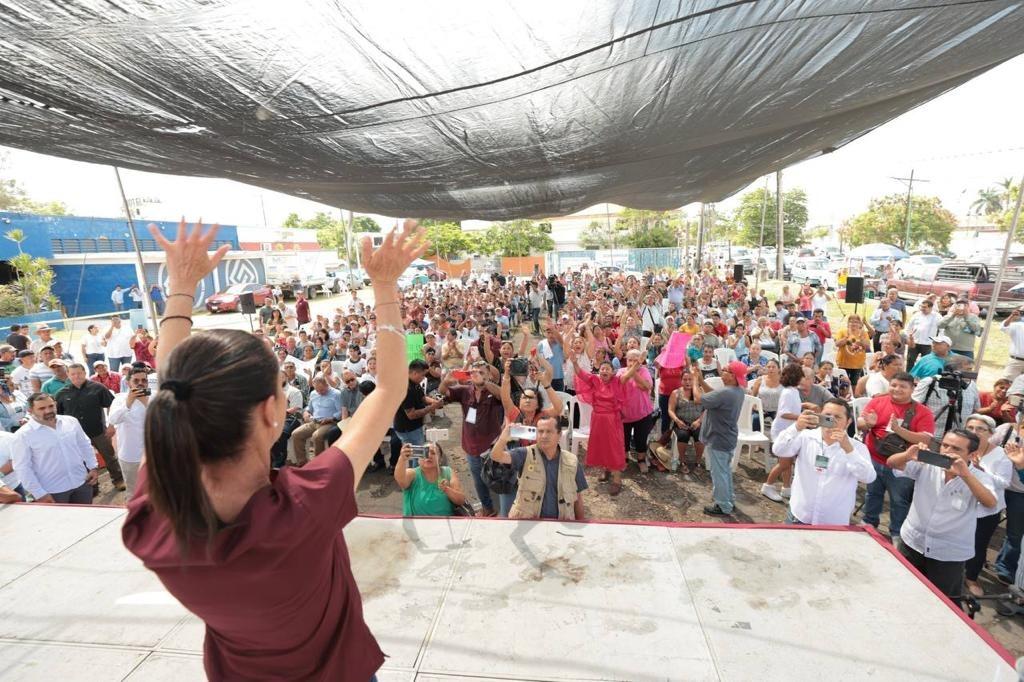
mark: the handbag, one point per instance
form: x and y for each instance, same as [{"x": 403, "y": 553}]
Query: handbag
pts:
[
  {"x": 499, "y": 478},
  {"x": 891, "y": 443}
]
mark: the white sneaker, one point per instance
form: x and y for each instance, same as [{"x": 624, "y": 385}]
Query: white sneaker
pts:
[
  {"x": 770, "y": 492},
  {"x": 786, "y": 492}
]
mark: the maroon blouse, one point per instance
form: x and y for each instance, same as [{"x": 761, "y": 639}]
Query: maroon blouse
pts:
[{"x": 276, "y": 590}]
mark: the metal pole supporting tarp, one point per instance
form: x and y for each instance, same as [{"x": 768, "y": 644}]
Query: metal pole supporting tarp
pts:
[
  {"x": 147, "y": 302},
  {"x": 999, "y": 280}
]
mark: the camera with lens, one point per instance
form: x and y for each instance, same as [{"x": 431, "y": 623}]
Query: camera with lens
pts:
[
  {"x": 519, "y": 367},
  {"x": 953, "y": 380}
]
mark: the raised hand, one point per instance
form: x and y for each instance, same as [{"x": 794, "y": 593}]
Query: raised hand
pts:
[
  {"x": 398, "y": 250},
  {"x": 188, "y": 256}
]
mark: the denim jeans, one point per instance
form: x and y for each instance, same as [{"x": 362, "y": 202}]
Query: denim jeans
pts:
[
  {"x": 505, "y": 503},
  {"x": 1009, "y": 555},
  {"x": 721, "y": 478},
  {"x": 475, "y": 465},
  {"x": 663, "y": 407},
  {"x": 115, "y": 363},
  {"x": 901, "y": 492},
  {"x": 535, "y": 318},
  {"x": 92, "y": 358},
  {"x": 414, "y": 437}
]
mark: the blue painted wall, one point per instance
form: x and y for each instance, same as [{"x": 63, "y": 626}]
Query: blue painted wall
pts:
[
  {"x": 96, "y": 285},
  {"x": 41, "y": 230},
  {"x": 51, "y": 317}
]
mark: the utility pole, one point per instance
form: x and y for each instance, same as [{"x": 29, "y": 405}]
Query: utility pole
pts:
[
  {"x": 910, "y": 202},
  {"x": 700, "y": 238},
  {"x": 779, "y": 239},
  {"x": 997, "y": 288}
]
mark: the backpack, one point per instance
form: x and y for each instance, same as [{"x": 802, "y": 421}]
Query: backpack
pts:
[{"x": 499, "y": 478}]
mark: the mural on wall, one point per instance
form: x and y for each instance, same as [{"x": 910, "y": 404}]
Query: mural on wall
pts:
[{"x": 230, "y": 271}]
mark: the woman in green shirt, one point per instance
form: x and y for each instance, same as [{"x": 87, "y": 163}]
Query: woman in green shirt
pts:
[{"x": 428, "y": 489}]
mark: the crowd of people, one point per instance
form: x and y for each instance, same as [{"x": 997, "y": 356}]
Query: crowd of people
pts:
[{"x": 635, "y": 369}]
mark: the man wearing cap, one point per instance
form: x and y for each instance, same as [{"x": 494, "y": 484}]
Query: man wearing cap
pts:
[
  {"x": 118, "y": 339},
  {"x": 21, "y": 375},
  {"x": 962, "y": 327},
  {"x": 45, "y": 337},
  {"x": 719, "y": 430},
  {"x": 934, "y": 362},
  {"x": 104, "y": 376},
  {"x": 59, "y": 380},
  {"x": 86, "y": 401},
  {"x": 8, "y": 358},
  {"x": 929, "y": 393},
  {"x": 41, "y": 372}
]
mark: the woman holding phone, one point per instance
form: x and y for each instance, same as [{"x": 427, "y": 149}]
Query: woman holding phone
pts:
[
  {"x": 428, "y": 489},
  {"x": 222, "y": 537}
]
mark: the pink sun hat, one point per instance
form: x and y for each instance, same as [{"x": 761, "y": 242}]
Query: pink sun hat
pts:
[{"x": 674, "y": 353}]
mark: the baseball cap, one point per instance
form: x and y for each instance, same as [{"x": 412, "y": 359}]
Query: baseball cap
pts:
[
  {"x": 942, "y": 338},
  {"x": 41, "y": 326},
  {"x": 56, "y": 361},
  {"x": 6, "y": 348},
  {"x": 25, "y": 353},
  {"x": 739, "y": 370}
]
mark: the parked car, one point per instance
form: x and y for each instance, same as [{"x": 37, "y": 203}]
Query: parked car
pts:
[
  {"x": 339, "y": 279},
  {"x": 229, "y": 298},
  {"x": 973, "y": 281},
  {"x": 809, "y": 270},
  {"x": 918, "y": 266}
]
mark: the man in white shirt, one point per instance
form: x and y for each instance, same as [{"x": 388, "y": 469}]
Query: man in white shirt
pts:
[
  {"x": 1013, "y": 327},
  {"x": 21, "y": 374},
  {"x": 118, "y": 339},
  {"x": 921, "y": 328},
  {"x": 45, "y": 333},
  {"x": 53, "y": 457},
  {"x": 128, "y": 417},
  {"x": 117, "y": 297},
  {"x": 828, "y": 467},
  {"x": 937, "y": 537}
]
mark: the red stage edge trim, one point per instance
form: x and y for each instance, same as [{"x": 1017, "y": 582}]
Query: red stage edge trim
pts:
[{"x": 980, "y": 631}]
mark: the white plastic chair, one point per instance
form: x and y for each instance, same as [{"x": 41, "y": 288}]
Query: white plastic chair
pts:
[
  {"x": 748, "y": 436},
  {"x": 858, "y": 405},
  {"x": 828, "y": 351},
  {"x": 644, "y": 342},
  {"x": 724, "y": 356},
  {"x": 715, "y": 382},
  {"x": 769, "y": 355},
  {"x": 582, "y": 434}
]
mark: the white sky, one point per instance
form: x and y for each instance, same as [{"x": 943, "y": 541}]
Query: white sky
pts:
[{"x": 961, "y": 142}]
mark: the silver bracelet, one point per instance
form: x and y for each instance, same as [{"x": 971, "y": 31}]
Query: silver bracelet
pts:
[{"x": 390, "y": 328}]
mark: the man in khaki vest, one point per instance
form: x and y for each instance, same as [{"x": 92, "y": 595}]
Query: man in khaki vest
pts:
[{"x": 551, "y": 479}]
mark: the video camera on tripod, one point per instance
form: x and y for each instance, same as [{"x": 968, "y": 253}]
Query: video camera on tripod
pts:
[{"x": 955, "y": 380}]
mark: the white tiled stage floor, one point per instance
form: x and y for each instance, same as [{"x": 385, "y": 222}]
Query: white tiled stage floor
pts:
[{"x": 480, "y": 600}]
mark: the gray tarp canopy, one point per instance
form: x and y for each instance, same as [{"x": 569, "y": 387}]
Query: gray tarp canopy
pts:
[{"x": 468, "y": 109}]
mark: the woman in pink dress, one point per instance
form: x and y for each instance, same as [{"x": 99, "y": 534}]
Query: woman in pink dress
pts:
[{"x": 605, "y": 447}]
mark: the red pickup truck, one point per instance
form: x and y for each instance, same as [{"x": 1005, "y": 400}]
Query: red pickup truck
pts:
[{"x": 973, "y": 281}]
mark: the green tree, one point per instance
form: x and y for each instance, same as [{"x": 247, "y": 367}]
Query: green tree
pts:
[
  {"x": 1004, "y": 219},
  {"x": 35, "y": 279},
  {"x": 989, "y": 201},
  {"x": 596, "y": 235},
  {"x": 516, "y": 238},
  {"x": 747, "y": 218},
  {"x": 931, "y": 225},
  {"x": 292, "y": 222},
  {"x": 645, "y": 229},
  {"x": 448, "y": 240},
  {"x": 365, "y": 223}
]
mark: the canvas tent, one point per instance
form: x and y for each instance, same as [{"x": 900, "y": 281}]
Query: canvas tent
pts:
[{"x": 462, "y": 109}]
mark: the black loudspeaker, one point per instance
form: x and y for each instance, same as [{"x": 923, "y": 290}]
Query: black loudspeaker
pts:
[
  {"x": 247, "y": 303},
  {"x": 737, "y": 273},
  {"x": 854, "y": 289}
]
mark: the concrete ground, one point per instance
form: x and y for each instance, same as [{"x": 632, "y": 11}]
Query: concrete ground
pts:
[{"x": 653, "y": 496}]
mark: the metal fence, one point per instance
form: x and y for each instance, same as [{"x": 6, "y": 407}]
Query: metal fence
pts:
[{"x": 627, "y": 259}]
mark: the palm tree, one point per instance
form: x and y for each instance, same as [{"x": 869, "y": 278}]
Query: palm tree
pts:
[
  {"x": 1007, "y": 185},
  {"x": 989, "y": 201}
]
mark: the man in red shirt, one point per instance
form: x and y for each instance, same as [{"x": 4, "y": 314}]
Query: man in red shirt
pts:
[
  {"x": 301, "y": 309},
  {"x": 482, "y": 420},
  {"x": 103, "y": 376},
  {"x": 884, "y": 414},
  {"x": 820, "y": 326}
]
